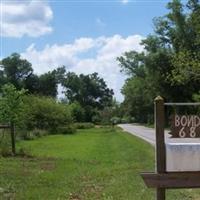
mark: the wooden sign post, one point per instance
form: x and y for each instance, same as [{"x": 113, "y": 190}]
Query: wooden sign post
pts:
[
  {"x": 182, "y": 126},
  {"x": 160, "y": 142}
]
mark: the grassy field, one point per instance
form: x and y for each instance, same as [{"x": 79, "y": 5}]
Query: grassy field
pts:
[{"x": 93, "y": 164}]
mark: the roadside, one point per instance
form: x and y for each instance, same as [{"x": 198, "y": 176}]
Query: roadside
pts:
[{"x": 143, "y": 132}]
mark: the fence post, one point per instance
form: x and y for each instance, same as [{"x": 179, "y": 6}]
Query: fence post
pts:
[
  {"x": 12, "y": 130},
  {"x": 160, "y": 143}
]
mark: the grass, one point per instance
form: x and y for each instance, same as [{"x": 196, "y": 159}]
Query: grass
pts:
[{"x": 94, "y": 164}]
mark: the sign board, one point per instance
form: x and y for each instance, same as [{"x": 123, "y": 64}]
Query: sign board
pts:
[
  {"x": 185, "y": 126},
  {"x": 182, "y": 126}
]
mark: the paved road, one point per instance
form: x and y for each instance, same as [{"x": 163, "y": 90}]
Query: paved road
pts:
[{"x": 148, "y": 134}]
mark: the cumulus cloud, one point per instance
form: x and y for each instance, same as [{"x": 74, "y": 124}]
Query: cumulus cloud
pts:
[
  {"x": 77, "y": 57},
  {"x": 31, "y": 18}
]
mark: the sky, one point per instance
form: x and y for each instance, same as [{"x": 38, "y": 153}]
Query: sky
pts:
[{"x": 86, "y": 36}]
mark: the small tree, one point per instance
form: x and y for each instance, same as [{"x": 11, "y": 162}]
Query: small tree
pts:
[{"x": 11, "y": 107}]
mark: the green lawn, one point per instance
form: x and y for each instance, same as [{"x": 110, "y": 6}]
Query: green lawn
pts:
[{"x": 96, "y": 164}]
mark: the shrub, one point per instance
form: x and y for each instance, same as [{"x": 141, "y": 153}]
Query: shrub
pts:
[
  {"x": 85, "y": 125},
  {"x": 127, "y": 119},
  {"x": 29, "y": 136},
  {"x": 66, "y": 129},
  {"x": 39, "y": 132},
  {"x": 115, "y": 120},
  {"x": 32, "y": 134},
  {"x": 96, "y": 119},
  {"x": 77, "y": 112},
  {"x": 45, "y": 113}
]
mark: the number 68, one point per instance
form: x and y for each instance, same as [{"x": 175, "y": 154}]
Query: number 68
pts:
[{"x": 182, "y": 132}]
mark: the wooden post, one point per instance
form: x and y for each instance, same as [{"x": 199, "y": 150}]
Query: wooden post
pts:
[
  {"x": 12, "y": 128},
  {"x": 160, "y": 143}
]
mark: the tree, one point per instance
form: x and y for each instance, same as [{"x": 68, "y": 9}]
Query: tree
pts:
[
  {"x": 19, "y": 72},
  {"x": 77, "y": 111},
  {"x": 11, "y": 108},
  {"x": 90, "y": 91},
  {"x": 170, "y": 63},
  {"x": 15, "y": 70},
  {"x": 48, "y": 82},
  {"x": 45, "y": 84}
]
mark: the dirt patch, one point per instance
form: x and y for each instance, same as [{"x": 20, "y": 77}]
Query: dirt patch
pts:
[
  {"x": 48, "y": 165},
  {"x": 73, "y": 196}
]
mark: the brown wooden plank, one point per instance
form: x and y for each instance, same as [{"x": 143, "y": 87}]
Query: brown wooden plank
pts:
[
  {"x": 160, "y": 143},
  {"x": 160, "y": 137},
  {"x": 172, "y": 180},
  {"x": 4, "y": 126},
  {"x": 12, "y": 131}
]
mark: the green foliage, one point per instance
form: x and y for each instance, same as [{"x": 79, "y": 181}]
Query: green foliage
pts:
[
  {"x": 19, "y": 72},
  {"x": 32, "y": 134},
  {"x": 15, "y": 70},
  {"x": 115, "y": 120},
  {"x": 127, "y": 119},
  {"x": 104, "y": 116},
  {"x": 78, "y": 112},
  {"x": 89, "y": 91},
  {"x": 69, "y": 129},
  {"x": 187, "y": 69},
  {"x": 84, "y": 125},
  {"x": 86, "y": 94},
  {"x": 45, "y": 113},
  {"x": 11, "y": 104},
  {"x": 45, "y": 84},
  {"x": 170, "y": 65}
]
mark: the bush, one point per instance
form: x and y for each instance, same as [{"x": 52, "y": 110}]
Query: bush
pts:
[
  {"x": 115, "y": 120},
  {"x": 66, "y": 129},
  {"x": 85, "y": 125},
  {"x": 77, "y": 112},
  {"x": 96, "y": 119},
  {"x": 30, "y": 135},
  {"x": 45, "y": 113},
  {"x": 127, "y": 119}
]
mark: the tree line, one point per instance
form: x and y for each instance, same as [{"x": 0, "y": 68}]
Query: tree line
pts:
[
  {"x": 169, "y": 65},
  {"x": 89, "y": 93},
  {"x": 29, "y": 103}
]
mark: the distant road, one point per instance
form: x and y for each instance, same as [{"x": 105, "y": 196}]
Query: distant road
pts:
[{"x": 147, "y": 134}]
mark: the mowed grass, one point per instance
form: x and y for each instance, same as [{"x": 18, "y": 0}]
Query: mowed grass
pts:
[{"x": 93, "y": 164}]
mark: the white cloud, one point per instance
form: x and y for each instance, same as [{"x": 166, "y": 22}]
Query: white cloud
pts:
[
  {"x": 29, "y": 18},
  {"x": 125, "y": 1},
  {"x": 77, "y": 57}
]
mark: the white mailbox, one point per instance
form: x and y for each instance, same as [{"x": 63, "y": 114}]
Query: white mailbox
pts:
[{"x": 182, "y": 155}]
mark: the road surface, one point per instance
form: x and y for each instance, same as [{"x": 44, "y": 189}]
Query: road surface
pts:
[{"x": 148, "y": 134}]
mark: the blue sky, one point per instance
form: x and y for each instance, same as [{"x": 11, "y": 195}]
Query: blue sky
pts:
[{"x": 85, "y": 36}]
